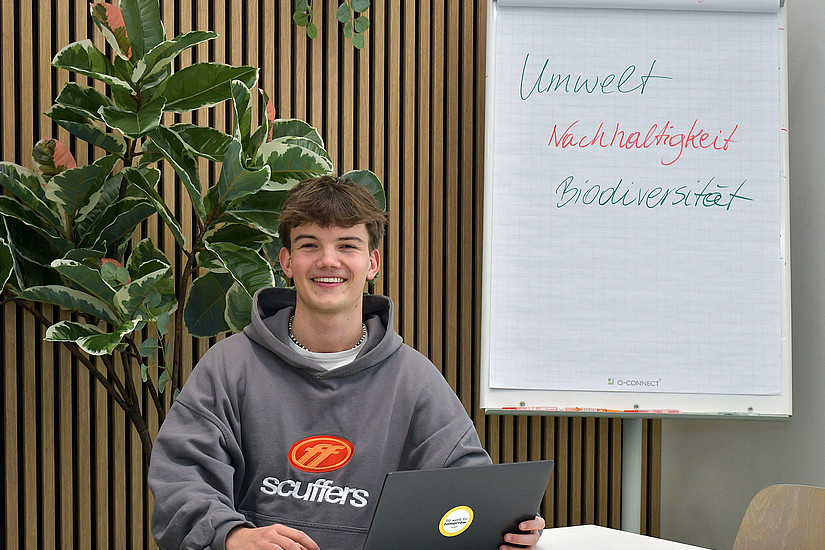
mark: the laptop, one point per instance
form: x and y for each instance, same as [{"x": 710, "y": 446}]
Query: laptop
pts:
[{"x": 456, "y": 508}]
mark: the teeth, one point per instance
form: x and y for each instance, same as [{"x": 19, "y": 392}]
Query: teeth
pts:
[{"x": 328, "y": 280}]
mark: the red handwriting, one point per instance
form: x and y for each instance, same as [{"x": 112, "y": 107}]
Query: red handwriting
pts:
[{"x": 654, "y": 136}]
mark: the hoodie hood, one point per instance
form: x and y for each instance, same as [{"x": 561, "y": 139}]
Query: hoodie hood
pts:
[{"x": 272, "y": 308}]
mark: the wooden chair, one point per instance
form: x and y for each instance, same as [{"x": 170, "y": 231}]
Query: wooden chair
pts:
[{"x": 784, "y": 517}]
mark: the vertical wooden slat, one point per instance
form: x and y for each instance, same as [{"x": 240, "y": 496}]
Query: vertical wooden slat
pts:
[
  {"x": 29, "y": 391},
  {"x": 467, "y": 185},
  {"x": 547, "y": 450},
  {"x": 407, "y": 183},
  {"x": 451, "y": 205},
  {"x": 344, "y": 72},
  {"x": 436, "y": 211},
  {"x": 421, "y": 175},
  {"x": 12, "y": 482},
  {"x": 588, "y": 451},
  {"x": 364, "y": 116},
  {"x": 392, "y": 181},
  {"x": 318, "y": 94},
  {"x": 561, "y": 473}
]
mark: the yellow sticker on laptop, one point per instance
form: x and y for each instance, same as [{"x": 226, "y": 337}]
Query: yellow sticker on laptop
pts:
[{"x": 456, "y": 521}]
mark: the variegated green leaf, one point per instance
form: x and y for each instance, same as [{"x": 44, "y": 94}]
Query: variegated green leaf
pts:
[
  {"x": 71, "y": 188},
  {"x": 84, "y": 129},
  {"x": 162, "y": 55},
  {"x": 137, "y": 179},
  {"x": 87, "y": 278},
  {"x": 261, "y": 210},
  {"x": 205, "y": 305},
  {"x": 83, "y": 57},
  {"x": 235, "y": 181},
  {"x": 204, "y": 85},
  {"x": 15, "y": 210},
  {"x": 293, "y": 127},
  {"x": 184, "y": 163},
  {"x": 239, "y": 234},
  {"x": 83, "y": 100},
  {"x": 242, "y": 105},
  {"x": 15, "y": 182},
  {"x": 6, "y": 263},
  {"x": 238, "y": 308},
  {"x": 106, "y": 343},
  {"x": 51, "y": 157},
  {"x": 246, "y": 266},
  {"x": 139, "y": 297},
  {"x": 144, "y": 252},
  {"x": 135, "y": 124},
  {"x": 26, "y": 272},
  {"x": 236, "y": 233},
  {"x": 24, "y": 176},
  {"x": 70, "y": 299},
  {"x": 143, "y": 25},
  {"x": 204, "y": 141},
  {"x": 292, "y": 160},
  {"x": 70, "y": 331},
  {"x": 98, "y": 206},
  {"x": 124, "y": 224},
  {"x": 34, "y": 245}
]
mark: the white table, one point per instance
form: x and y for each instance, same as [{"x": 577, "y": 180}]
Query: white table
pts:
[{"x": 593, "y": 537}]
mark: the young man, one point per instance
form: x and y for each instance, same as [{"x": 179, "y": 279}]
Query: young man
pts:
[{"x": 283, "y": 434}]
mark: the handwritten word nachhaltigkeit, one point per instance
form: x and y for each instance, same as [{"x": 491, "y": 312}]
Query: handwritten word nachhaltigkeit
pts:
[
  {"x": 653, "y": 136},
  {"x": 712, "y": 195}
]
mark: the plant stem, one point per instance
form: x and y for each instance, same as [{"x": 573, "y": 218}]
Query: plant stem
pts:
[{"x": 75, "y": 350}]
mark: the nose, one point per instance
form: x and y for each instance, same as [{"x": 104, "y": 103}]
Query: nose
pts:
[{"x": 329, "y": 257}]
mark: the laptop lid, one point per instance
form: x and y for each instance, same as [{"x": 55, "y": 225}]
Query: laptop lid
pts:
[{"x": 456, "y": 508}]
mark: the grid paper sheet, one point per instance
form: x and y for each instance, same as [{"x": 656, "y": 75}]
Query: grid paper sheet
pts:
[{"x": 636, "y": 202}]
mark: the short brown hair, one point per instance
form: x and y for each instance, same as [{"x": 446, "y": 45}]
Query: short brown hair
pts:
[{"x": 331, "y": 201}]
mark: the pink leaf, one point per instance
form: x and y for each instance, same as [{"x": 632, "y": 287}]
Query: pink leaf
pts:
[
  {"x": 62, "y": 156},
  {"x": 109, "y": 19}
]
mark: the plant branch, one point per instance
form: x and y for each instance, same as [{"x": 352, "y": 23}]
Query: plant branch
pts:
[
  {"x": 153, "y": 393},
  {"x": 110, "y": 370},
  {"x": 78, "y": 353}
]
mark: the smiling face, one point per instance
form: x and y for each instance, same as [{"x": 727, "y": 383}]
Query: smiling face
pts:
[{"x": 329, "y": 266}]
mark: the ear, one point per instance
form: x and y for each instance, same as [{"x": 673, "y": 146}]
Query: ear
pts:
[
  {"x": 286, "y": 262},
  {"x": 375, "y": 264}
]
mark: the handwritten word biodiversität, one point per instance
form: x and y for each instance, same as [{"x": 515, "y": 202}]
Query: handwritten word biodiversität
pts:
[
  {"x": 654, "y": 136},
  {"x": 622, "y": 194},
  {"x": 607, "y": 84}
]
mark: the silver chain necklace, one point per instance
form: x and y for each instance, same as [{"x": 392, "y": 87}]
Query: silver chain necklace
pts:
[{"x": 303, "y": 347}]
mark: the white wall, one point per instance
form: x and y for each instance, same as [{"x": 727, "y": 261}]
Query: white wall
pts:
[{"x": 711, "y": 469}]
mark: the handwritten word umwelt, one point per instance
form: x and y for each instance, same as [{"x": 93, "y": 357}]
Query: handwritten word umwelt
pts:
[
  {"x": 654, "y": 136},
  {"x": 622, "y": 194},
  {"x": 546, "y": 81}
]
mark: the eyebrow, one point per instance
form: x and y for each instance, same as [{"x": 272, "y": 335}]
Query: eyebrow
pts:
[{"x": 315, "y": 238}]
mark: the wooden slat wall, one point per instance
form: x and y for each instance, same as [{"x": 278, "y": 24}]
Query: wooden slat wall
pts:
[{"x": 409, "y": 106}]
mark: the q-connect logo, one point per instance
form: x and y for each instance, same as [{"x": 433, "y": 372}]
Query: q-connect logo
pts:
[
  {"x": 630, "y": 382},
  {"x": 320, "y": 453}
]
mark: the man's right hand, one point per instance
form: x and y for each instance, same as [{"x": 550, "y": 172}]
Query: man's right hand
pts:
[{"x": 271, "y": 537}]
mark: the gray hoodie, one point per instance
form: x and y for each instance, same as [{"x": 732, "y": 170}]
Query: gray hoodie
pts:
[{"x": 262, "y": 435}]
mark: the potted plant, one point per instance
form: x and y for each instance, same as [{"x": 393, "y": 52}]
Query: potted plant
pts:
[{"x": 67, "y": 236}]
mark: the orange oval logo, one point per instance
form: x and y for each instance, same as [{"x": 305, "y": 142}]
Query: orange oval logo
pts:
[{"x": 320, "y": 453}]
